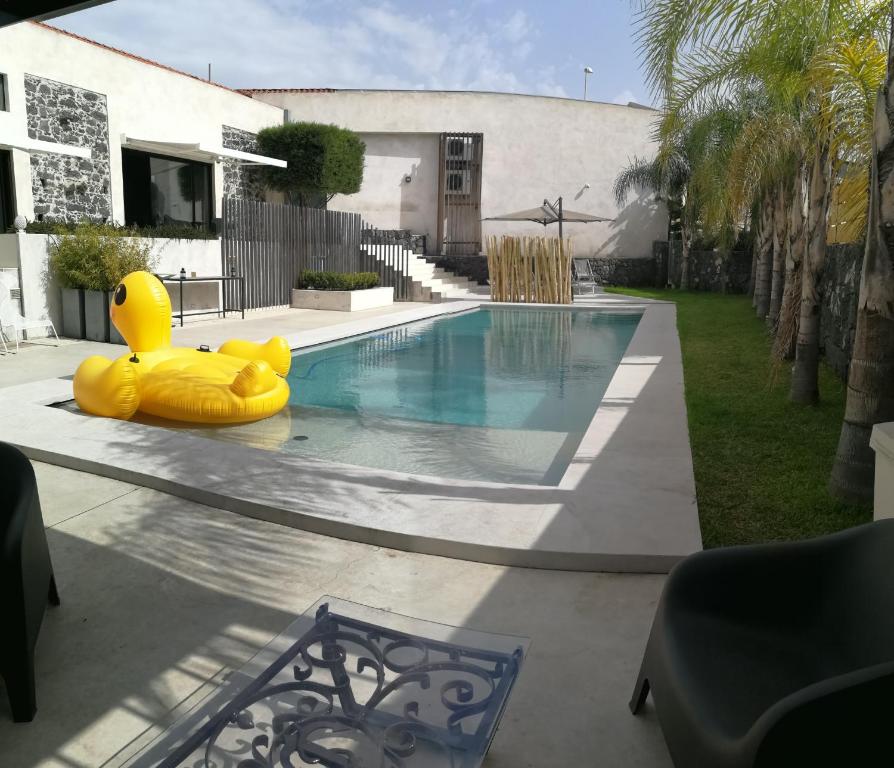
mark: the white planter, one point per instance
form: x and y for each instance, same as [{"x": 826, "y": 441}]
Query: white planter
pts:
[
  {"x": 342, "y": 301},
  {"x": 882, "y": 442}
]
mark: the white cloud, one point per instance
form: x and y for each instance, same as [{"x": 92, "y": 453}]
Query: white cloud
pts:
[
  {"x": 295, "y": 43},
  {"x": 625, "y": 96},
  {"x": 517, "y": 27}
]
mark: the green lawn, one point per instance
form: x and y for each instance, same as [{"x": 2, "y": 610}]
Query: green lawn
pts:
[{"x": 761, "y": 463}]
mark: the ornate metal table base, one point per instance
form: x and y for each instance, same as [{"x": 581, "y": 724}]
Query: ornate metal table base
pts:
[{"x": 349, "y": 693}]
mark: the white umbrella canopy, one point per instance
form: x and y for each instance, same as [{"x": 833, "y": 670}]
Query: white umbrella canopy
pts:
[{"x": 548, "y": 213}]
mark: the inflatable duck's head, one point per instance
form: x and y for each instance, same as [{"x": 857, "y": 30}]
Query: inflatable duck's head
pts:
[{"x": 141, "y": 311}]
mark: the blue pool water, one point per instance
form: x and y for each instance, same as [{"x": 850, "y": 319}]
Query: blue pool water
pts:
[
  {"x": 520, "y": 369},
  {"x": 502, "y": 395}
]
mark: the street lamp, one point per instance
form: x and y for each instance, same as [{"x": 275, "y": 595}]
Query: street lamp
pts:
[{"x": 587, "y": 72}]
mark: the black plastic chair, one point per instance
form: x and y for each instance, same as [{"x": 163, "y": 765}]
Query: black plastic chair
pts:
[
  {"x": 26, "y": 579},
  {"x": 778, "y": 654}
]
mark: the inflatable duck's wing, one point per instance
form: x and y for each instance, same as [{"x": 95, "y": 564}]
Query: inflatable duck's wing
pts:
[
  {"x": 276, "y": 352},
  {"x": 104, "y": 388}
]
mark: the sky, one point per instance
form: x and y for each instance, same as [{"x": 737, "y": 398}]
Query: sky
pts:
[{"x": 489, "y": 45}]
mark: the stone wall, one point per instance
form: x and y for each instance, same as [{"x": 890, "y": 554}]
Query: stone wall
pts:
[
  {"x": 707, "y": 271},
  {"x": 840, "y": 289},
  {"x": 243, "y": 182},
  {"x": 472, "y": 266},
  {"x": 628, "y": 272},
  {"x": 69, "y": 188}
]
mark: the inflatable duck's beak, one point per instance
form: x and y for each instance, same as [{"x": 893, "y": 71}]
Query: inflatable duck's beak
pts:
[{"x": 141, "y": 311}]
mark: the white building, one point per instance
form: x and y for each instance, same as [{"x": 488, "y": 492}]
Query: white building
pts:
[
  {"x": 436, "y": 155},
  {"x": 87, "y": 131},
  {"x": 91, "y": 132}
]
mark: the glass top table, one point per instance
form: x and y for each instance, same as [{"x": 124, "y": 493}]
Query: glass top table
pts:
[{"x": 349, "y": 686}]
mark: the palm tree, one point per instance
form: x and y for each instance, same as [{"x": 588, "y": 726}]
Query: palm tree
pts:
[
  {"x": 870, "y": 386},
  {"x": 667, "y": 176},
  {"x": 691, "y": 47}
]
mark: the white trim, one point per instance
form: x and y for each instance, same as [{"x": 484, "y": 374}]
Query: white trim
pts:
[
  {"x": 249, "y": 158},
  {"x": 36, "y": 145},
  {"x": 197, "y": 151}
]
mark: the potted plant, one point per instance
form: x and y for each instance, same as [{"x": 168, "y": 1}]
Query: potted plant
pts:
[
  {"x": 92, "y": 259},
  {"x": 72, "y": 266}
]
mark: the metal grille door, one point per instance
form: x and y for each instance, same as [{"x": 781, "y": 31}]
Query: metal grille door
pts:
[{"x": 459, "y": 209}]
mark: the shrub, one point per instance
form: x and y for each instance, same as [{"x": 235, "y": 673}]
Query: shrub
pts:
[
  {"x": 97, "y": 256},
  {"x": 337, "y": 281},
  {"x": 323, "y": 160},
  {"x": 169, "y": 231}
]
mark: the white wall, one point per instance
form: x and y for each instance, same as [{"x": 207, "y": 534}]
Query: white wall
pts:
[
  {"x": 386, "y": 199},
  {"x": 535, "y": 147},
  {"x": 41, "y": 293},
  {"x": 144, "y": 101},
  {"x": 9, "y": 253}
]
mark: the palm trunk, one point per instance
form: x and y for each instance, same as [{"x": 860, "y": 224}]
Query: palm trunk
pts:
[
  {"x": 780, "y": 220},
  {"x": 764, "y": 259},
  {"x": 753, "y": 278},
  {"x": 787, "y": 326},
  {"x": 870, "y": 383},
  {"x": 684, "y": 256},
  {"x": 805, "y": 374}
]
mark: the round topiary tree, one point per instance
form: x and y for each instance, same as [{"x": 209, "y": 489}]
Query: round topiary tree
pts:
[{"x": 324, "y": 160}]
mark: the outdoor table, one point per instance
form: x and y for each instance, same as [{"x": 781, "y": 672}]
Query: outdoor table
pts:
[
  {"x": 222, "y": 279},
  {"x": 348, "y": 685}
]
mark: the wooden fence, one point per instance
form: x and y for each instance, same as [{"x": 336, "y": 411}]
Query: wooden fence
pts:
[
  {"x": 269, "y": 244},
  {"x": 530, "y": 269}
]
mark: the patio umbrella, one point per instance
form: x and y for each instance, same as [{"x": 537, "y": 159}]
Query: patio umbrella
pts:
[{"x": 549, "y": 213}]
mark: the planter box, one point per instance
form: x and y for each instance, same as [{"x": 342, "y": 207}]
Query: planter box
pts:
[
  {"x": 114, "y": 336},
  {"x": 73, "y": 320},
  {"x": 96, "y": 315},
  {"x": 342, "y": 301},
  {"x": 882, "y": 442}
]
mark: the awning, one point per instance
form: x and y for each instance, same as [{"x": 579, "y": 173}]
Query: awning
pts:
[
  {"x": 198, "y": 151},
  {"x": 27, "y": 144},
  {"x": 14, "y": 11}
]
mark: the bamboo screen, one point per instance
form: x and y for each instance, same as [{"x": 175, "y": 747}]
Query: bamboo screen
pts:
[{"x": 531, "y": 270}]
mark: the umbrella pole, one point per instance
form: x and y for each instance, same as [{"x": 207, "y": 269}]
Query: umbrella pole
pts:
[{"x": 562, "y": 246}]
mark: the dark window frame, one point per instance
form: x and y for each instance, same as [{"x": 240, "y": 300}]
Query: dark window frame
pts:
[
  {"x": 207, "y": 222},
  {"x": 7, "y": 191}
]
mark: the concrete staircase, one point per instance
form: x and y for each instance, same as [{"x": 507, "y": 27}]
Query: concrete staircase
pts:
[{"x": 428, "y": 282}]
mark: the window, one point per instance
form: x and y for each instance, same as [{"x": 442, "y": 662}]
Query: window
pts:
[
  {"x": 7, "y": 203},
  {"x": 4, "y": 94},
  {"x": 161, "y": 190}
]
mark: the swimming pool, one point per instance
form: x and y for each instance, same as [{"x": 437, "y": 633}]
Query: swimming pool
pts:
[{"x": 502, "y": 395}]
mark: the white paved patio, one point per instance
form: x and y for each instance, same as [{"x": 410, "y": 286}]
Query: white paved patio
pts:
[{"x": 161, "y": 597}]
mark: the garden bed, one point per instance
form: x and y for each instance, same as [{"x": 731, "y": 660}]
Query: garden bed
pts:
[
  {"x": 340, "y": 291},
  {"x": 342, "y": 301}
]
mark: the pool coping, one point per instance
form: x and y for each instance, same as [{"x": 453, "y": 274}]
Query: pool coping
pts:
[{"x": 626, "y": 502}]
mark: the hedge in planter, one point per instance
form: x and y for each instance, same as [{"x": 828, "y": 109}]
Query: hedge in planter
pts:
[
  {"x": 89, "y": 263},
  {"x": 337, "y": 281}
]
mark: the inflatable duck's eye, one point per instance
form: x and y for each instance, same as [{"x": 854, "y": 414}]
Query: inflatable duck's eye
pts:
[{"x": 120, "y": 294}]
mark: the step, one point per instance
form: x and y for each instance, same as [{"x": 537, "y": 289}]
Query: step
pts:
[{"x": 427, "y": 281}]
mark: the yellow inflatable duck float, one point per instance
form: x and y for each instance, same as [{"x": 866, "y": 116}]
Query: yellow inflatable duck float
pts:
[{"x": 241, "y": 382}]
